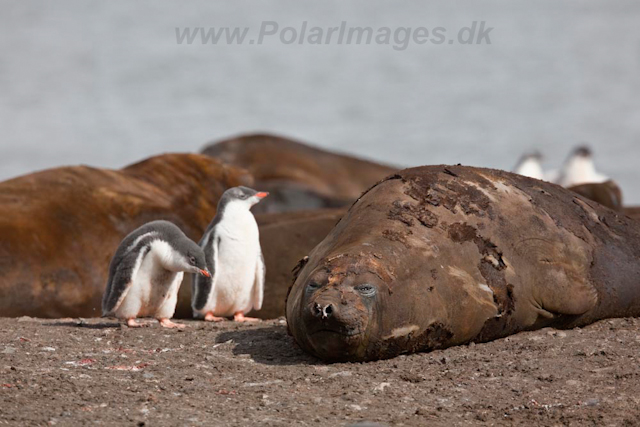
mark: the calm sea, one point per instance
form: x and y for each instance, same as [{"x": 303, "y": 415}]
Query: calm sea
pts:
[{"x": 107, "y": 83}]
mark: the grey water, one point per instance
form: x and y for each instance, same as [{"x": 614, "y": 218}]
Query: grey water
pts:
[{"x": 108, "y": 83}]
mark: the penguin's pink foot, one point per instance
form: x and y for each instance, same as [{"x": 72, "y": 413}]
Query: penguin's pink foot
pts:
[
  {"x": 209, "y": 317},
  {"x": 239, "y": 317},
  {"x": 167, "y": 323},
  {"x": 133, "y": 324}
]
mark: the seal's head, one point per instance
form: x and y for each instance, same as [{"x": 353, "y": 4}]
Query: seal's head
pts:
[
  {"x": 351, "y": 307},
  {"x": 339, "y": 306}
]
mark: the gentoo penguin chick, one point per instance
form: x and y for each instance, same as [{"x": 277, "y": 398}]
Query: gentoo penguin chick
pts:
[
  {"x": 580, "y": 169},
  {"x": 232, "y": 251},
  {"x": 529, "y": 165},
  {"x": 146, "y": 272}
]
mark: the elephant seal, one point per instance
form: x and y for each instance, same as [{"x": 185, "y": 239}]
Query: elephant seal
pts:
[
  {"x": 285, "y": 238},
  {"x": 298, "y": 176},
  {"x": 438, "y": 256},
  {"x": 632, "y": 212},
  {"x": 60, "y": 227},
  {"x": 607, "y": 193}
]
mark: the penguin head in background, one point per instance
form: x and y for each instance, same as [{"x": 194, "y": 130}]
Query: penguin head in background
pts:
[
  {"x": 530, "y": 164},
  {"x": 579, "y": 168},
  {"x": 582, "y": 151},
  {"x": 241, "y": 196},
  {"x": 579, "y": 158},
  {"x": 533, "y": 155}
]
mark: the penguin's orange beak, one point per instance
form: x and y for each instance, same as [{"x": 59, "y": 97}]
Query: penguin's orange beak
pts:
[
  {"x": 205, "y": 273},
  {"x": 262, "y": 195}
]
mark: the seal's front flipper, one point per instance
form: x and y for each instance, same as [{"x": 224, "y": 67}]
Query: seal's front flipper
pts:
[
  {"x": 557, "y": 274},
  {"x": 568, "y": 290},
  {"x": 578, "y": 300}
]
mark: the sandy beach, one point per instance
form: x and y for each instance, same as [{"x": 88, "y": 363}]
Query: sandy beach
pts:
[{"x": 96, "y": 372}]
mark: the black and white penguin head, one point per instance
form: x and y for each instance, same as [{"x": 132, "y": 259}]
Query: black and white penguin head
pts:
[
  {"x": 579, "y": 168},
  {"x": 582, "y": 151},
  {"x": 190, "y": 257},
  {"x": 532, "y": 155},
  {"x": 241, "y": 196},
  {"x": 530, "y": 164},
  {"x": 177, "y": 252},
  {"x": 579, "y": 157}
]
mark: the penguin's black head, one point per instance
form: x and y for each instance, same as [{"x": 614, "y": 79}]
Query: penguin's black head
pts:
[
  {"x": 244, "y": 195},
  {"x": 531, "y": 155},
  {"x": 582, "y": 151},
  {"x": 535, "y": 155}
]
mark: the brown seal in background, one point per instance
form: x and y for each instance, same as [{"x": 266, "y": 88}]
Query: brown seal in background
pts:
[
  {"x": 296, "y": 175},
  {"x": 439, "y": 256},
  {"x": 607, "y": 193},
  {"x": 633, "y": 212},
  {"x": 285, "y": 238},
  {"x": 60, "y": 227}
]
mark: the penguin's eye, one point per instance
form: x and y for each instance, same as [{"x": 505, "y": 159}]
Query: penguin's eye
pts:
[{"x": 366, "y": 290}]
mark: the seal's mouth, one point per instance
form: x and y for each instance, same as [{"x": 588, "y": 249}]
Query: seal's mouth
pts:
[
  {"x": 335, "y": 345},
  {"x": 344, "y": 333}
]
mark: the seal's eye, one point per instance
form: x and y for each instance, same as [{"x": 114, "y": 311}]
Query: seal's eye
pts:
[
  {"x": 366, "y": 290},
  {"x": 312, "y": 286}
]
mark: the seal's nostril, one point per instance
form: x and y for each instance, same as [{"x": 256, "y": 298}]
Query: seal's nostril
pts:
[
  {"x": 322, "y": 311},
  {"x": 327, "y": 311}
]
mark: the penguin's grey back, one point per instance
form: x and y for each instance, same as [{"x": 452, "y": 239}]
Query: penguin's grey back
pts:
[
  {"x": 144, "y": 235},
  {"x": 136, "y": 244}
]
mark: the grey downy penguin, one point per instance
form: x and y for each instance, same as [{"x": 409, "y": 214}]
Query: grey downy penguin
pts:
[
  {"x": 146, "y": 273},
  {"x": 232, "y": 251}
]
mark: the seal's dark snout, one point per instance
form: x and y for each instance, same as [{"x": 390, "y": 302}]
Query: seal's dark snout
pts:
[{"x": 323, "y": 311}]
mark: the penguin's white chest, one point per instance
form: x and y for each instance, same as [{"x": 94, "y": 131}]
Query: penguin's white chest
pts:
[
  {"x": 532, "y": 169},
  {"x": 153, "y": 290},
  {"x": 238, "y": 256},
  {"x": 581, "y": 171}
]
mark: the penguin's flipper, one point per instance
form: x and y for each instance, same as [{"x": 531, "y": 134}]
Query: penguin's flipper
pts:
[
  {"x": 120, "y": 280},
  {"x": 201, "y": 286},
  {"x": 258, "y": 286}
]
